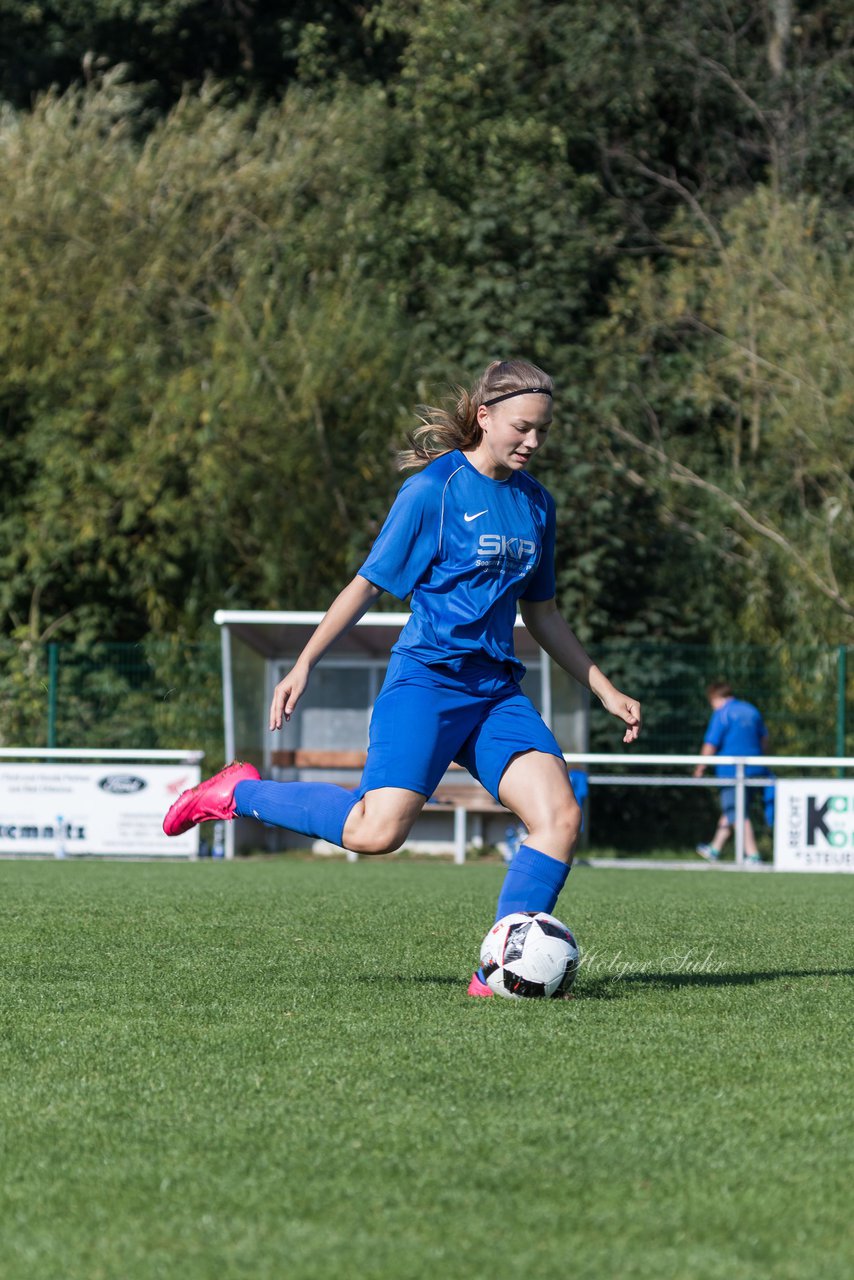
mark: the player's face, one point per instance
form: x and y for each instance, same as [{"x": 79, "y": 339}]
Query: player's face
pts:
[{"x": 513, "y": 431}]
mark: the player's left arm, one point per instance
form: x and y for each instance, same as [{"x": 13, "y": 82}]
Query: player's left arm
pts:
[{"x": 553, "y": 633}]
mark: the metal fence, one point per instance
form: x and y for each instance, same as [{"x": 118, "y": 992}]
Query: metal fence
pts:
[
  {"x": 168, "y": 695},
  {"x": 121, "y": 695},
  {"x": 801, "y": 692},
  {"x": 154, "y": 695},
  {"x": 633, "y": 773}
]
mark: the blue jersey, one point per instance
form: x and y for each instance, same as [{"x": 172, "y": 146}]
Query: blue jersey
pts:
[
  {"x": 737, "y": 729},
  {"x": 466, "y": 548}
]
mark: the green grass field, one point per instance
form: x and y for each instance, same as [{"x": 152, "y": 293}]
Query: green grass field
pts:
[{"x": 271, "y": 1069}]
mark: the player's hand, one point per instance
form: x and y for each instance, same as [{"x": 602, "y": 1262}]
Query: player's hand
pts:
[
  {"x": 626, "y": 709},
  {"x": 286, "y": 696}
]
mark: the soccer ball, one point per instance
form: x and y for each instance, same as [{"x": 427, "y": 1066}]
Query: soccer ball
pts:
[{"x": 529, "y": 955}]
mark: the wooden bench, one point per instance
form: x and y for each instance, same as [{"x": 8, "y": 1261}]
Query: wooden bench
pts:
[
  {"x": 460, "y": 798},
  {"x": 305, "y": 758},
  {"x": 464, "y": 798}
]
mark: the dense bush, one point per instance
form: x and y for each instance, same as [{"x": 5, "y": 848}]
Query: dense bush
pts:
[{"x": 221, "y": 302}]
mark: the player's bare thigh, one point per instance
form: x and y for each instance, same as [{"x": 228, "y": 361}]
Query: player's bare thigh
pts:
[
  {"x": 536, "y": 787},
  {"x": 382, "y": 819}
]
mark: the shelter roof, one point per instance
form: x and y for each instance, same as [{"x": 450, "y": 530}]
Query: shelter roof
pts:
[{"x": 280, "y": 633}]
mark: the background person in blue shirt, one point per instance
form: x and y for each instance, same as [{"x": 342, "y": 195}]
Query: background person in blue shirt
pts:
[
  {"x": 736, "y": 728},
  {"x": 468, "y": 538}
]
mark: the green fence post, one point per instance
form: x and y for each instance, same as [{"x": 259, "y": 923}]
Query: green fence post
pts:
[
  {"x": 52, "y": 670},
  {"x": 841, "y": 687}
]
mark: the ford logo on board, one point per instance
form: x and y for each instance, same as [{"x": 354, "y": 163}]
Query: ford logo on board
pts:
[{"x": 122, "y": 784}]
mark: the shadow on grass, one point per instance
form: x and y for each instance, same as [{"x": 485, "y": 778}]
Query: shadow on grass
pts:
[
  {"x": 437, "y": 980},
  {"x": 617, "y": 986},
  {"x": 425, "y": 979}
]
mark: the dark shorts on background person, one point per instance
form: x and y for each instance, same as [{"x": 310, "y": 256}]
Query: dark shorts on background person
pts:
[{"x": 425, "y": 717}]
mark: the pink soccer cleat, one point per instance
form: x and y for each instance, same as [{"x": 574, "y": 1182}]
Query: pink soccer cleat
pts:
[
  {"x": 210, "y": 800},
  {"x": 478, "y": 988}
]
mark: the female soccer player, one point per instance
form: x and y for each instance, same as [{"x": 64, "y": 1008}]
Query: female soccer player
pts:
[{"x": 469, "y": 537}]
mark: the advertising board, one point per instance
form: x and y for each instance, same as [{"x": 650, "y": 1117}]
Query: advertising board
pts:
[
  {"x": 65, "y": 809},
  {"x": 814, "y": 825}
]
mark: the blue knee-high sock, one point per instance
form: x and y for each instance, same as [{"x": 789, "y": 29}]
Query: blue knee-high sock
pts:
[
  {"x": 533, "y": 883},
  {"x": 311, "y": 808}
]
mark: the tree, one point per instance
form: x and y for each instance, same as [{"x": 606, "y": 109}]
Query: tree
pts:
[
  {"x": 735, "y": 392},
  {"x": 255, "y": 47},
  {"x": 198, "y": 376}
]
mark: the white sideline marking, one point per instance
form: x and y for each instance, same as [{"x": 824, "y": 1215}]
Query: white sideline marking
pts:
[{"x": 669, "y": 864}]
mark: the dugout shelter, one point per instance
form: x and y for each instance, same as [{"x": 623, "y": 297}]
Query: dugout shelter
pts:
[{"x": 327, "y": 737}]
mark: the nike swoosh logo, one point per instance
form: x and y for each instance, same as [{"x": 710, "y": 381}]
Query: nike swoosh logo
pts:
[{"x": 467, "y": 517}]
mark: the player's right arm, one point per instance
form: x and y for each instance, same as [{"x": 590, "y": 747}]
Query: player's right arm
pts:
[
  {"x": 344, "y": 612},
  {"x": 707, "y": 749}
]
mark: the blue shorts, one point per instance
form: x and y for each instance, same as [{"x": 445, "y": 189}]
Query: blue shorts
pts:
[
  {"x": 728, "y": 803},
  {"x": 425, "y": 717},
  {"x": 728, "y": 799}
]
